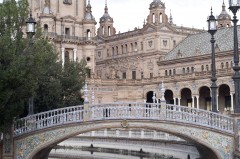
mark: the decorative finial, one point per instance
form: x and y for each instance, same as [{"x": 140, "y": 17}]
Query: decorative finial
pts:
[
  {"x": 106, "y": 8},
  {"x": 211, "y": 11},
  {"x": 171, "y": 19}
]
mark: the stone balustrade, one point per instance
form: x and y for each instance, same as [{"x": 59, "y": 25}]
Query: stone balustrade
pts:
[
  {"x": 124, "y": 111},
  {"x": 133, "y": 134}
]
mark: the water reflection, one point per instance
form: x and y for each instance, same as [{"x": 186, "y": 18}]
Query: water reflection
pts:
[{"x": 91, "y": 152}]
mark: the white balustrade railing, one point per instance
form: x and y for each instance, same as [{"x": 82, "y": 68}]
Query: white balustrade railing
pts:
[
  {"x": 123, "y": 111},
  {"x": 132, "y": 134},
  {"x": 48, "y": 119}
]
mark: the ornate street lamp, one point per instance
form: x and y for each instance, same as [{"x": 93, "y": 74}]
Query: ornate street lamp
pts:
[
  {"x": 30, "y": 33},
  {"x": 30, "y": 27},
  {"x": 212, "y": 29},
  {"x": 234, "y": 6}
]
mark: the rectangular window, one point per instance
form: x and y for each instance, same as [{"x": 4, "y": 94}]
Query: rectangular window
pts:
[
  {"x": 124, "y": 75},
  {"x": 151, "y": 75},
  {"x": 67, "y": 31},
  {"x": 133, "y": 74}
]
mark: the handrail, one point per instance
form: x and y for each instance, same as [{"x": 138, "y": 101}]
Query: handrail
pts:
[{"x": 124, "y": 111}]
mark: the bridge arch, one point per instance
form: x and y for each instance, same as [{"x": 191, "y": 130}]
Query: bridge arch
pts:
[
  {"x": 77, "y": 129},
  {"x": 38, "y": 132}
]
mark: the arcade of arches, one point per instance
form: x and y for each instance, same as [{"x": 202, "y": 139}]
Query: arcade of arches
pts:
[{"x": 225, "y": 99}]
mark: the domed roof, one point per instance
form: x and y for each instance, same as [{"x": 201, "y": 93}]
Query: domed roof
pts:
[
  {"x": 157, "y": 3},
  {"x": 88, "y": 14},
  {"x": 224, "y": 15},
  {"x": 106, "y": 16}
]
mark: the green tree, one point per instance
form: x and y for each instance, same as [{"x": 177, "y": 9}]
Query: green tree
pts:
[
  {"x": 13, "y": 85},
  {"x": 35, "y": 70}
]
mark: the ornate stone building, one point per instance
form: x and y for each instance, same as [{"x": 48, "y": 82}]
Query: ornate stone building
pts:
[
  {"x": 70, "y": 25},
  {"x": 131, "y": 66}
]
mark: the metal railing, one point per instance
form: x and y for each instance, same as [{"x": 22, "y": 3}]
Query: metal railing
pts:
[{"x": 124, "y": 111}]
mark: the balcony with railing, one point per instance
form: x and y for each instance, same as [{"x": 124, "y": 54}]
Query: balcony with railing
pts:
[{"x": 56, "y": 37}]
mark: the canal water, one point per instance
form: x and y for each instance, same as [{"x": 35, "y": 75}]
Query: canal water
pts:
[{"x": 91, "y": 152}]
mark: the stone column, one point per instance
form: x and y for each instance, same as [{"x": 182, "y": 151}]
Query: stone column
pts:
[
  {"x": 197, "y": 102},
  {"x": 63, "y": 56},
  {"x": 232, "y": 108},
  {"x": 217, "y": 103},
  {"x": 193, "y": 101},
  {"x": 174, "y": 99},
  {"x": 179, "y": 101},
  {"x": 74, "y": 55}
]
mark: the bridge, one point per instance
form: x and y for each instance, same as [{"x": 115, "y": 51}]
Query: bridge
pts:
[{"x": 34, "y": 136}]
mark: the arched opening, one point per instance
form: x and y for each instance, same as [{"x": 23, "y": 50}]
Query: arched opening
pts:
[
  {"x": 186, "y": 97},
  {"x": 153, "y": 18},
  {"x": 204, "y": 98},
  {"x": 224, "y": 98},
  {"x": 88, "y": 34},
  {"x": 204, "y": 148},
  {"x": 149, "y": 97},
  {"x": 109, "y": 31},
  {"x": 169, "y": 97},
  {"x": 45, "y": 28},
  {"x": 160, "y": 18}
]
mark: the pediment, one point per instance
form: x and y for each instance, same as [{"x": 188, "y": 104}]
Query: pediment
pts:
[
  {"x": 167, "y": 27},
  {"x": 148, "y": 28},
  {"x": 69, "y": 18}
]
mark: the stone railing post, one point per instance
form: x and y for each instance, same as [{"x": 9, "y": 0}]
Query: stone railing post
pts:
[
  {"x": 8, "y": 143},
  {"x": 163, "y": 104},
  {"x": 86, "y": 114},
  {"x": 236, "y": 128}
]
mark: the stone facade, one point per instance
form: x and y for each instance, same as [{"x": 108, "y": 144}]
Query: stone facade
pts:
[{"x": 131, "y": 66}]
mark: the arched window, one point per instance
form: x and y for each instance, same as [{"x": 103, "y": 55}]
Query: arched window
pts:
[
  {"x": 153, "y": 18},
  {"x": 109, "y": 30},
  {"x": 160, "y": 18},
  {"x": 122, "y": 49},
  {"x": 88, "y": 34},
  {"x": 126, "y": 47},
  {"x": 222, "y": 65},
  {"x": 188, "y": 70},
  {"x": 166, "y": 72},
  {"x": 135, "y": 47},
  {"x": 174, "y": 72},
  {"x": 45, "y": 28},
  {"x": 207, "y": 67},
  {"x": 132, "y": 47},
  {"x": 170, "y": 72},
  {"x": 202, "y": 68},
  {"x": 183, "y": 71},
  {"x": 112, "y": 50},
  {"x": 117, "y": 50},
  {"x": 192, "y": 69},
  {"x": 227, "y": 65}
]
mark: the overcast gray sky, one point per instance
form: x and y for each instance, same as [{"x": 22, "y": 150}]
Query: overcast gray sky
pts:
[{"x": 128, "y": 14}]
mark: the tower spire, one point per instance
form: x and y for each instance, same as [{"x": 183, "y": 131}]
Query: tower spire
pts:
[
  {"x": 171, "y": 18},
  {"x": 223, "y": 6},
  {"x": 106, "y": 8}
]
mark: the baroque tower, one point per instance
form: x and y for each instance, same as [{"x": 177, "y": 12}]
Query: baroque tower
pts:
[
  {"x": 70, "y": 26},
  {"x": 106, "y": 24},
  {"x": 224, "y": 19},
  {"x": 157, "y": 13}
]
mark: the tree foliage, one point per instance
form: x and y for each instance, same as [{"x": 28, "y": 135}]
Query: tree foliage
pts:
[{"x": 32, "y": 70}]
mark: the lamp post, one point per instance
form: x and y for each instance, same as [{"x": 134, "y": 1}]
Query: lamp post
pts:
[
  {"x": 212, "y": 29},
  {"x": 30, "y": 33},
  {"x": 234, "y": 6}
]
